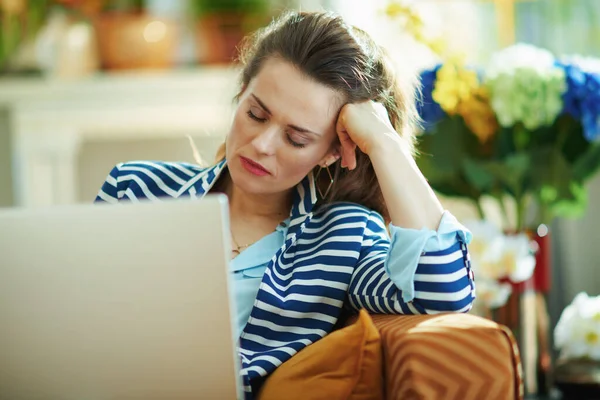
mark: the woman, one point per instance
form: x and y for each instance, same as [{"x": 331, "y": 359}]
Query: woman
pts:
[{"x": 319, "y": 155}]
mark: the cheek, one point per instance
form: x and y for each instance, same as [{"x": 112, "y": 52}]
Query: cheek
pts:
[
  {"x": 297, "y": 164},
  {"x": 240, "y": 130}
]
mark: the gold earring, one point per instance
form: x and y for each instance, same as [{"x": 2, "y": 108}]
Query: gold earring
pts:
[{"x": 321, "y": 168}]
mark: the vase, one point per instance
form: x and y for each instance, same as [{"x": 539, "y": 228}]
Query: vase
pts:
[
  {"x": 526, "y": 314},
  {"x": 220, "y": 34},
  {"x": 578, "y": 379},
  {"x": 135, "y": 41}
]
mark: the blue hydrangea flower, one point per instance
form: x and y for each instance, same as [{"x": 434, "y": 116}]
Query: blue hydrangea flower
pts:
[
  {"x": 582, "y": 98},
  {"x": 429, "y": 111}
]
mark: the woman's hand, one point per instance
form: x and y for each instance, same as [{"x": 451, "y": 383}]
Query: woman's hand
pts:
[
  {"x": 410, "y": 200},
  {"x": 366, "y": 125}
]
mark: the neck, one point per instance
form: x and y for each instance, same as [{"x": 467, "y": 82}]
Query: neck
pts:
[{"x": 248, "y": 205}]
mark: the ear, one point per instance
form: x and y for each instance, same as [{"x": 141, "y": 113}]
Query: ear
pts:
[{"x": 332, "y": 156}]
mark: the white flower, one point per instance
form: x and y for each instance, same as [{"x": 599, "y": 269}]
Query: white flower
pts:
[
  {"x": 495, "y": 256},
  {"x": 518, "y": 257},
  {"x": 492, "y": 294},
  {"x": 485, "y": 248},
  {"x": 577, "y": 333},
  {"x": 520, "y": 55}
]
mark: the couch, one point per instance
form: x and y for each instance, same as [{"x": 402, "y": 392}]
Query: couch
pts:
[{"x": 448, "y": 357}]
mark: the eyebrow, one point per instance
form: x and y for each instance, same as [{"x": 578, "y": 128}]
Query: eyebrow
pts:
[{"x": 294, "y": 127}]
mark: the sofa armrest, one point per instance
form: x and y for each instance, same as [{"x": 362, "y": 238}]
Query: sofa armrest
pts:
[{"x": 449, "y": 356}]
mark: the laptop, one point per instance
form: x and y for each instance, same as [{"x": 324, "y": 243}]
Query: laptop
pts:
[{"x": 125, "y": 301}]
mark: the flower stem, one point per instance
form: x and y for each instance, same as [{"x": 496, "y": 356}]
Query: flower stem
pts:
[
  {"x": 479, "y": 208},
  {"x": 520, "y": 200},
  {"x": 545, "y": 213},
  {"x": 502, "y": 205},
  {"x": 563, "y": 133}
]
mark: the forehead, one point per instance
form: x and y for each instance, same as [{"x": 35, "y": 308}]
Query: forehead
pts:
[{"x": 288, "y": 93}]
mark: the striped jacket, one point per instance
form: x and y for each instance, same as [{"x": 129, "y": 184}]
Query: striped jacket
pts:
[{"x": 333, "y": 256}]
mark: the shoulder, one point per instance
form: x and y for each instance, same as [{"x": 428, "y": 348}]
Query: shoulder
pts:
[
  {"x": 349, "y": 213},
  {"x": 147, "y": 179},
  {"x": 178, "y": 172}
]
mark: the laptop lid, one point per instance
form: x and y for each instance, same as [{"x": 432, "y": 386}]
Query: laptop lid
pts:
[{"x": 117, "y": 302}]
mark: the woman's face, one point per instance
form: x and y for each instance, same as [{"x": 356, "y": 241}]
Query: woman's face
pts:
[{"x": 283, "y": 127}]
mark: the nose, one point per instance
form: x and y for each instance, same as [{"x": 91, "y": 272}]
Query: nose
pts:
[{"x": 265, "y": 142}]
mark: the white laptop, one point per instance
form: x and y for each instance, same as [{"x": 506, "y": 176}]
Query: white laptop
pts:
[{"x": 117, "y": 302}]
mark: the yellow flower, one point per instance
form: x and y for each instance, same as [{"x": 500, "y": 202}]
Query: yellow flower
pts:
[
  {"x": 413, "y": 24},
  {"x": 454, "y": 85},
  {"x": 438, "y": 46},
  {"x": 479, "y": 115},
  {"x": 395, "y": 9}
]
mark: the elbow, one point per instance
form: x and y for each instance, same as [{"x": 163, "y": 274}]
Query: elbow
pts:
[{"x": 458, "y": 301}]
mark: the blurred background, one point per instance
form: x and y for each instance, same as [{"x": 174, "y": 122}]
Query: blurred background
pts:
[{"x": 87, "y": 84}]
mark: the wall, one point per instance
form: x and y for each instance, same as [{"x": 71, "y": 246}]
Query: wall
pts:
[{"x": 6, "y": 192}]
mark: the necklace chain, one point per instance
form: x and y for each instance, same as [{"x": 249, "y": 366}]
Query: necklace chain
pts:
[{"x": 238, "y": 248}]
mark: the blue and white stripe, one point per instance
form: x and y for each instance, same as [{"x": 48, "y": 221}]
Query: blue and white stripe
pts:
[{"x": 333, "y": 257}]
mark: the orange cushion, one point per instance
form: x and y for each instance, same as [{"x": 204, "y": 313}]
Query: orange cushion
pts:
[{"x": 346, "y": 364}]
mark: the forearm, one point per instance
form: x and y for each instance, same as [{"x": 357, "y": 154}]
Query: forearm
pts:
[{"x": 410, "y": 200}]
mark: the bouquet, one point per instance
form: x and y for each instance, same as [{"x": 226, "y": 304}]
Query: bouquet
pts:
[{"x": 526, "y": 127}]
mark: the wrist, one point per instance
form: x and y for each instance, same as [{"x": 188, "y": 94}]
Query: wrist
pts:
[{"x": 389, "y": 144}]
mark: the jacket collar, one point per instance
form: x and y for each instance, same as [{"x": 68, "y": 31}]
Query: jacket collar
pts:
[{"x": 305, "y": 196}]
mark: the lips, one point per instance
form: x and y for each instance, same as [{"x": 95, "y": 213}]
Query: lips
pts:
[{"x": 253, "y": 167}]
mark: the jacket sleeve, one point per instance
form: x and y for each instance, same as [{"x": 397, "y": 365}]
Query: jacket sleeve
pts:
[
  {"x": 113, "y": 188},
  {"x": 416, "y": 272}
]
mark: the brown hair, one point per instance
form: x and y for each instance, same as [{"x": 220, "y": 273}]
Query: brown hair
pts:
[{"x": 346, "y": 59}]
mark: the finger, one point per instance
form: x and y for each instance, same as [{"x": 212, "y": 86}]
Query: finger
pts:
[
  {"x": 348, "y": 147},
  {"x": 348, "y": 151},
  {"x": 351, "y": 158}
]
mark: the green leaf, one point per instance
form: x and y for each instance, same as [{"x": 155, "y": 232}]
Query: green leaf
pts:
[
  {"x": 588, "y": 164},
  {"x": 510, "y": 172},
  {"x": 521, "y": 137},
  {"x": 477, "y": 176},
  {"x": 445, "y": 145},
  {"x": 503, "y": 143},
  {"x": 551, "y": 175},
  {"x": 574, "y": 207},
  {"x": 571, "y": 139},
  {"x": 445, "y": 181}
]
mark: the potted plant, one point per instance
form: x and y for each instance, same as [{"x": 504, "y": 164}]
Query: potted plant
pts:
[
  {"x": 20, "y": 21},
  {"x": 128, "y": 38},
  {"x": 221, "y": 25}
]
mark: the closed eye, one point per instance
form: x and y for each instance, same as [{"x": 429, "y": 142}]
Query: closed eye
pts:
[
  {"x": 294, "y": 143},
  {"x": 288, "y": 136},
  {"x": 254, "y": 117}
]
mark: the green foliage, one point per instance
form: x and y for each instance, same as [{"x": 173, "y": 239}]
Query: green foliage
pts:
[
  {"x": 202, "y": 7},
  {"x": 550, "y": 164},
  {"x": 124, "y": 6},
  {"x": 17, "y": 28}
]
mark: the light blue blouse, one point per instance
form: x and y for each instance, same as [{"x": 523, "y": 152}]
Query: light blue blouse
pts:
[{"x": 407, "y": 245}]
